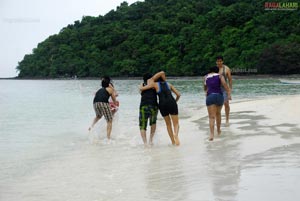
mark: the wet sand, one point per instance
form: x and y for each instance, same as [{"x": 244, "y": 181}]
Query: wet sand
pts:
[{"x": 255, "y": 158}]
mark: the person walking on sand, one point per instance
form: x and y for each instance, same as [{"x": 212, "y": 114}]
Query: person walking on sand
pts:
[
  {"x": 148, "y": 110},
  {"x": 214, "y": 98},
  {"x": 167, "y": 103},
  {"x": 101, "y": 105},
  {"x": 226, "y": 72}
]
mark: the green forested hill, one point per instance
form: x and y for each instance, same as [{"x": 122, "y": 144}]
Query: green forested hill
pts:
[{"x": 182, "y": 37}]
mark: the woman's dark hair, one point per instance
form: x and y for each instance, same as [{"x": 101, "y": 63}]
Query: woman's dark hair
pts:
[
  {"x": 214, "y": 69},
  {"x": 106, "y": 78},
  {"x": 105, "y": 82},
  {"x": 146, "y": 77}
]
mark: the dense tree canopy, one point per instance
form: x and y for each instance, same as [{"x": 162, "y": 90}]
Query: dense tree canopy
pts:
[{"x": 182, "y": 37}]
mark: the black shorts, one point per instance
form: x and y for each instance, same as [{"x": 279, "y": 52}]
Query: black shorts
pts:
[{"x": 168, "y": 108}]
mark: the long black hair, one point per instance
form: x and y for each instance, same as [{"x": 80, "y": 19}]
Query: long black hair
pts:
[
  {"x": 213, "y": 69},
  {"x": 105, "y": 81},
  {"x": 146, "y": 77}
]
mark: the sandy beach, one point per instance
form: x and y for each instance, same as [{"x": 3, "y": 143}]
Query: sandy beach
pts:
[
  {"x": 271, "y": 116},
  {"x": 255, "y": 158}
]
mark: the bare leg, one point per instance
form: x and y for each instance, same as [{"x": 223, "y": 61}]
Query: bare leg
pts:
[
  {"x": 114, "y": 111},
  {"x": 144, "y": 136},
  {"x": 109, "y": 127},
  {"x": 218, "y": 119},
  {"x": 96, "y": 119},
  {"x": 212, "y": 117},
  {"x": 175, "y": 122},
  {"x": 227, "y": 111},
  {"x": 169, "y": 128},
  {"x": 152, "y": 133}
]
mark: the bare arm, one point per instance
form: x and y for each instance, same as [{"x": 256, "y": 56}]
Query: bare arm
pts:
[
  {"x": 229, "y": 77},
  {"x": 150, "y": 85},
  {"x": 161, "y": 74},
  {"x": 223, "y": 82},
  {"x": 112, "y": 93},
  {"x": 176, "y": 92},
  {"x": 204, "y": 86}
]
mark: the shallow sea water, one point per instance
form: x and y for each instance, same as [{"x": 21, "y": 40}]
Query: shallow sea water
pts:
[{"x": 46, "y": 152}]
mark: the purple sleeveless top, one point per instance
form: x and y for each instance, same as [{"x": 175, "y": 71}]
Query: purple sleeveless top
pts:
[{"x": 213, "y": 83}]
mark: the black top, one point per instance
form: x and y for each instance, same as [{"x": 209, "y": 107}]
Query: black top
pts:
[
  {"x": 101, "y": 96},
  {"x": 149, "y": 97},
  {"x": 164, "y": 93}
]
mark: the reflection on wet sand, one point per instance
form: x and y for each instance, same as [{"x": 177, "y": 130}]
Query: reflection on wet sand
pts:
[
  {"x": 224, "y": 168},
  {"x": 165, "y": 179},
  {"x": 223, "y": 164}
]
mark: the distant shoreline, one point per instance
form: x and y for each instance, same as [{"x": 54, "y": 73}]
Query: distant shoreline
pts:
[{"x": 169, "y": 77}]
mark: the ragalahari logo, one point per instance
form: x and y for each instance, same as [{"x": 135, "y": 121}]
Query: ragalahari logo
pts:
[{"x": 281, "y": 5}]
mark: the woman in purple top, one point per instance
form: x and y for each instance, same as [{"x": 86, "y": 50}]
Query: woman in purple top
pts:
[{"x": 214, "y": 98}]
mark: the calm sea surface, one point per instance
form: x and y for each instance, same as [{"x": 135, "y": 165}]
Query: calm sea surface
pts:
[{"x": 46, "y": 152}]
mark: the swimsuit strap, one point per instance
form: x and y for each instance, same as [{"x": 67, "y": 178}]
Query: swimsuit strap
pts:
[{"x": 159, "y": 87}]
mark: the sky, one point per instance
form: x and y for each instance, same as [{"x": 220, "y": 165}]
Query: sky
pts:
[{"x": 24, "y": 24}]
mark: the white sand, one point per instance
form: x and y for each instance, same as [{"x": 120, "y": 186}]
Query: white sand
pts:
[
  {"x": 273, "y": 122},
  {"x": 256, "y": 158},
  {"x": 260, "y": 150}
]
